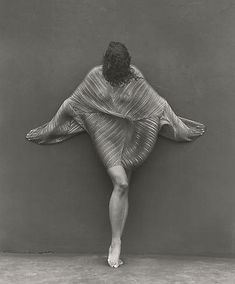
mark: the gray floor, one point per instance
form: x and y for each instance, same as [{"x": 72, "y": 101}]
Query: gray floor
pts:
[{"x": 69, "y": 268}]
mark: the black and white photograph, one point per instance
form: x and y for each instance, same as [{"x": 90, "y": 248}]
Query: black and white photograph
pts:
[{"x": 117, "y": 142}]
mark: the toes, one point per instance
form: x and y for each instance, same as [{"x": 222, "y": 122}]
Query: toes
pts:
[
  {"x": 111, "y": 263},
  {"x": 114, "y": 264}
]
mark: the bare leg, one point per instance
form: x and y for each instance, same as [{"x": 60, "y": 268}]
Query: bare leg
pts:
[
  {"x": 126, "y": 201},
  {"x": 118, "y": 210}
]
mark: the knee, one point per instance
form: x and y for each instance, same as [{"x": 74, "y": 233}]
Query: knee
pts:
[
  {"x": 121, "y": 187},
  {"x": 119, "y": 180}
]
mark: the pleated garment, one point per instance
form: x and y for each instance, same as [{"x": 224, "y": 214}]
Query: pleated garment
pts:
[{"x": 123, "y": 122}]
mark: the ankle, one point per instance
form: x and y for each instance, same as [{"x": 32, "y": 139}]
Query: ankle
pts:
[{"x": 116, "y": 241}]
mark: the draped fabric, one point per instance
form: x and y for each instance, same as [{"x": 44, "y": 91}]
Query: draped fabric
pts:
[{"x": 123, "y": 122}]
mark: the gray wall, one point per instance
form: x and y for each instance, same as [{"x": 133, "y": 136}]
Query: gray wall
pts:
[{"x": 55, "y": 198}]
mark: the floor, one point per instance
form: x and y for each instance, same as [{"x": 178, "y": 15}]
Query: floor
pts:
[{"x": 79, "y": 269}]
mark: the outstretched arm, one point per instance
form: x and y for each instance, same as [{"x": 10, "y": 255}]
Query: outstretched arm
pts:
[
  {"x": 172, "y": 126},
  {"x": 66, "y": 123},
  {"x": 178, "y": 128},
  {"x": 61, "y": 127}
]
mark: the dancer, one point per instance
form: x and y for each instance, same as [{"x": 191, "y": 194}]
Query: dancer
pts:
[{"x": 123, "y": 115}]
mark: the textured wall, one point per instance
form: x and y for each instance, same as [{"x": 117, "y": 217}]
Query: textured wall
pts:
[{"x": 55, "y": 198}]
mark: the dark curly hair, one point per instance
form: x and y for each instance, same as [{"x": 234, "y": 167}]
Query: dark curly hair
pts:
[{"x": 116, "y": 65}]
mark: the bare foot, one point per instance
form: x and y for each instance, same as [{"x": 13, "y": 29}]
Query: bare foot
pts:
[{"x": 114, "y": 253}]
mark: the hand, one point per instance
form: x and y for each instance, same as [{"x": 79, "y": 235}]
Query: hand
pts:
[
  {"x": 38, "y": 135},
  {"x": 197, "y": 131},
  {"x": 32, "y": 134}
]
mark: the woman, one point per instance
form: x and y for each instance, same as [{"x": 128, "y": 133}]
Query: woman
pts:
[{"x": 123, "y": 115}]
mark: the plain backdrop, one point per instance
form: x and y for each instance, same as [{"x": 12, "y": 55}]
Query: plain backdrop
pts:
[{"x": 55, "y": 198}]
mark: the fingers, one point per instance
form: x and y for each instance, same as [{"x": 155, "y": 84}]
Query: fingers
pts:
[
  {"x": 36, "y": 136},
  {"x": 201, "y": 127},
  {"x": 198, "y": 131},
  {"x": 31, "y": 134}
]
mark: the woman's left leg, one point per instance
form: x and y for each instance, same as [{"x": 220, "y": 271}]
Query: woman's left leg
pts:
[
  {"x": 126, "y": 207},
  {"x": 118, "y": 210}
]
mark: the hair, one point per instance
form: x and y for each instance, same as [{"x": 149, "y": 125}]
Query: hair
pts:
[{"x": 116, "y": 65}]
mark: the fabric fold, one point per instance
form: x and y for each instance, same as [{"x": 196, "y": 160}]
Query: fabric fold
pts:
[
  {"x": 123, "y": 122},
  {"x": 175, "y": 127},
  {"x": 61, "y": 127}
]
